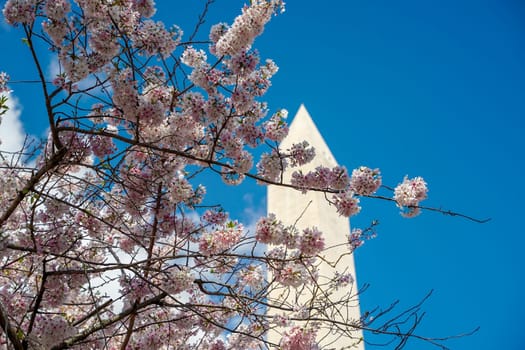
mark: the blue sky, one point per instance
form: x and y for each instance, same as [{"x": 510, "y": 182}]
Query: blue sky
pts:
[{"x": 428, "y": 88}]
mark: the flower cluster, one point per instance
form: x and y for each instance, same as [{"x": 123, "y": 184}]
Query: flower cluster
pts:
[
  {"x": 408, "y": 194},
  {"x": 244, "y": 63},
  {"x": 103, "y": 42},
  {"x": 134, "y": 288},
  {"x": 50, "y": 330},
  {"x": 222, "y": 239},
  {"x": 271, "y": 166},
  {"x": 301, "y": 154},
  {"x": 57, "y": 9},
  {"x": 322, "y": 178},
  {"x": 246, "y": 27},
  {"x": 102, "y": 146},
  {"x": 311, "y": 242},
  {"x": 217, "y": 217},
  {"x": 75, "y": 67},
  {"x": 292, "y": 274},
  {"x": 342, "y": 280},
  {"x": 162, "y": 334},
  {"x": 270, "y": 230},
  {"x": 276, "y": 127},
  {"x": 180, "y": 189},
  {"x": 281, "y": 320},
  {"x": 252, "y": 276},
  {"x": 346, "y": 204},
  {"x": 299, "y": 338},
  {"x": 193, "y": 58},
  {"x": 125, "y": 96},
  {"x": 146, "y": 8},
  {"x": 356, "y": 238},
  {"x": 177, "y": 279},
  {"x": 365, "y": 181},
  {"x": 153, "y": 38},
  {"x": 20, "y": 11},
  {"x": 4, "y": 78}
]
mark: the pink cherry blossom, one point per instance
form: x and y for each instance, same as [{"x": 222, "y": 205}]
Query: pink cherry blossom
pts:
[
  {"x": 193, "y": 58},
  {"x": 221, "y": 240},
  {"x": 270, "y": 230},
  {"x": 292, "y": 274},
  {"x": 246, "y": 27},
  {"x": 252, "y": 277},
  {"x": 50, "y": 330},
  {"x": 299, "y": 338},
  {"x": 346, "y": 204},
  {"x": 4, "y": 78},
  {"x": 365, "y": 181},
  {"x": 153, "y": 38},
  {"x": 301, "y": 154},
  {"x": 271, "y": 166},
  {"x": 311, "y": 242},
  {"x": 20, "y": 11},
  {"x": 56, "y": 10},
  {"x": 276, "y": 127},
  {"x": 409, "y": 193},
  {"x": 146, "y": 8},
  {"x": 321, "y": 178},
  {"x": 216, "y": 217},
  {"x": 102, "y": 146}
]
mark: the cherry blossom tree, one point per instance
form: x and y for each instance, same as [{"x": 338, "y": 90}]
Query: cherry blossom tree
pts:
[{"x": 106, "y": 239}]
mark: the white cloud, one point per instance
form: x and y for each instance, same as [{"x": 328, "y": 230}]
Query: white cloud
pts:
[
  {"x": 252, "y": 212},
  {"x": 12, "y": 134},
  {"x": 54, "y": 69}
]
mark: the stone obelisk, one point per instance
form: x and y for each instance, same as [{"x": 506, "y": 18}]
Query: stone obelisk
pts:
[{"x": 312, "y": 209}]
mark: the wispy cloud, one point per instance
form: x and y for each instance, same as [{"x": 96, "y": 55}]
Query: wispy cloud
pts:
[
  {"x": 12, "y": 134},
  {"x": 53, "y": 68},
  {"x": 253, "y": 210}
]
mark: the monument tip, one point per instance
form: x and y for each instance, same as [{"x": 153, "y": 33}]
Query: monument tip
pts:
[{"x": 302, "y": 128}]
